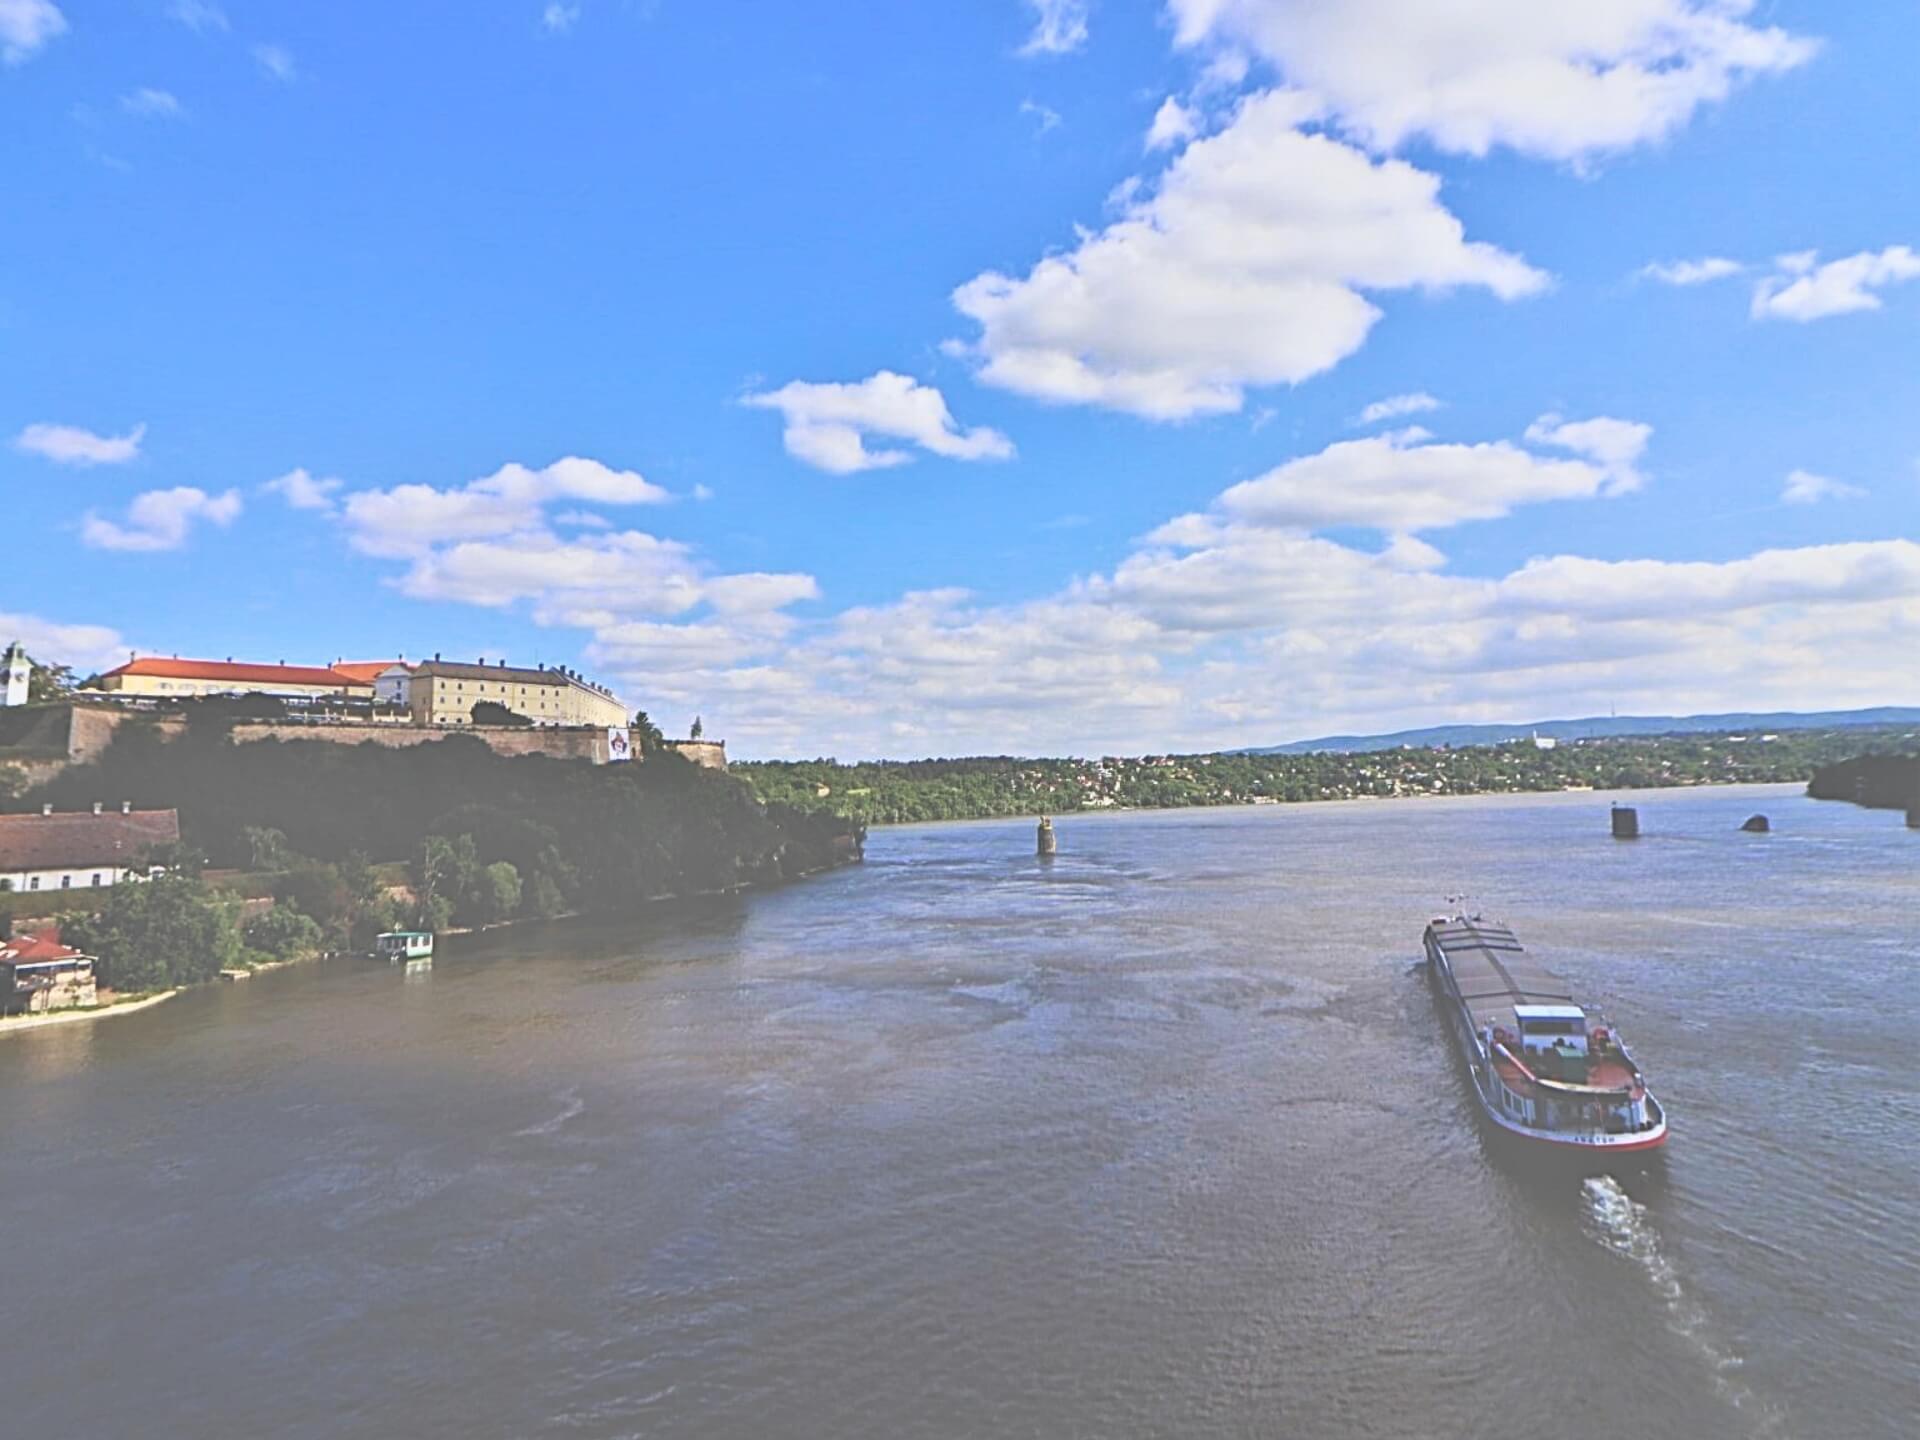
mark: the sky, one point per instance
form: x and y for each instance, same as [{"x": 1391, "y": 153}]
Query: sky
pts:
[{"x": 1022, "y": 376}]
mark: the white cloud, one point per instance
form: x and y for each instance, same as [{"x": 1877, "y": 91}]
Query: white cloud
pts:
[
  {"x": 1394, "y": 407},
  {"x": 1691, "y": 272},
  {"x": 1059, "y": 27},
  {"x": 304, "y": 491},
  {"x": 1244, "y": 266},
  {"x": 1615, "y": 445},
  {"x": 1561, "y": 81},
  {"x": 1803, "y": 487},
  {"x": 275, "y": 62},
  {"x": 1802, "y": 289},
  {"x": 152, "y": 104},
  {"x": 72, "y": 445},
  {"x": 50, "y": 642},
  {"x": 558, "y": 19},
  {"x": 198, "y": 15},
  {"x": 828, "y": 424},
  {"x": 1044, "y": 117},
  {"x": 26, "y": 25},
  {"x": 1400, "y": 484},
  {"x": 1173, "y": 124},
  {"x": 161, "y": 519},
  {"x": 409, "y": 520}
]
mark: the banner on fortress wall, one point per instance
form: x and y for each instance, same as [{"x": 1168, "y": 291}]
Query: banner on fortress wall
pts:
[{"x": 619, "y": 744}]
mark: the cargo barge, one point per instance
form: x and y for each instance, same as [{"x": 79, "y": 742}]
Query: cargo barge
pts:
[{"x": 1548, "y": 1072}]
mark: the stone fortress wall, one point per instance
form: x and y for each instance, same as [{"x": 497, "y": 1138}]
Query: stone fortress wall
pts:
[{"x": 89, "y": 730}]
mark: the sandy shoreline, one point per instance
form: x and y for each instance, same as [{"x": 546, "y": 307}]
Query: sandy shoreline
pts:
[{"x": 67, "y": 1017}]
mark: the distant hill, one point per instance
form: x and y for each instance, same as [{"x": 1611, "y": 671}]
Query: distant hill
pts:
[{"x": 1596, "y": 727}]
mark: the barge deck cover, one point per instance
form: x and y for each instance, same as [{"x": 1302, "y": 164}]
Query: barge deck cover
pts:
[{"x": 1494, "y": 972}]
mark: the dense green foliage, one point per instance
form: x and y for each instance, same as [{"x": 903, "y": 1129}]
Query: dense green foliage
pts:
[
  {"x": 1885, "y": 780},
  {"x": 164, "y": 932},
  {"x": 541, "y": 836},
  {"x": 888, "y": 791}
]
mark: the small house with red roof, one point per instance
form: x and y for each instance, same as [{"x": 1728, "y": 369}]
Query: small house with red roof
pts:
[
  {"x": 177, "y": 679},
  {"x": 38, "y": 973}
]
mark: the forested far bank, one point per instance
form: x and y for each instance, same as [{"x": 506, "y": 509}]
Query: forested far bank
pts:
[{"x": 888, "y": 792}]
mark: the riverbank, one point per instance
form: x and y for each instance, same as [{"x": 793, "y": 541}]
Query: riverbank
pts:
[{"x": 14, "y": 1024}]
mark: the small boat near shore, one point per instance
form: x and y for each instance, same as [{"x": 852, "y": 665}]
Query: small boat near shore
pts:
[
  {"x": 411, "y": 948},
  {"x": 1548, "y": 1072}
]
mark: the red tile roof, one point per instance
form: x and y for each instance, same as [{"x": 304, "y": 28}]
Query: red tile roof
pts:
[
  {"x": 37, "y": 950},
  {"x": 240, "y": 673},
  {"x": 77, "y": 842},
  {"x": 364, "y": 671}
]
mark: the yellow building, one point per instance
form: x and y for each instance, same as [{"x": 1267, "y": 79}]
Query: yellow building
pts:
[
  {"x": 444, "y": 692},
  {"x": 177, "y": 679}
]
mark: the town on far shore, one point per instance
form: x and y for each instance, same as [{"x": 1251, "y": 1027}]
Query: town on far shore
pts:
[{"x": 54, "y": 724}]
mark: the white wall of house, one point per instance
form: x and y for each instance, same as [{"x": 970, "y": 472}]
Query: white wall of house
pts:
[{"x": 72, "y": 877}]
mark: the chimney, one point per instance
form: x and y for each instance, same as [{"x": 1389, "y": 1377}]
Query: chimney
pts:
[
  {"x": 126, "y": 807},
  {"x": 96, "y": 807},
  {"x": 47, "y": 809}
]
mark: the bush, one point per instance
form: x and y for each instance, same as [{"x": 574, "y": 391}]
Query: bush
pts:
[
  {"x": 155, "y": 934},
  {"x": 283, "y": 933}
]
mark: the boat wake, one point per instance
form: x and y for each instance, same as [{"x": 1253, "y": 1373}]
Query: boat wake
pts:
[
  {"x": 571, "y": 1105},
  {"x": 1621, "y": 1224}
]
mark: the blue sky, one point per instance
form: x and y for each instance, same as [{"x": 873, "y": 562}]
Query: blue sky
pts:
[{"x": 986, "y": 377}]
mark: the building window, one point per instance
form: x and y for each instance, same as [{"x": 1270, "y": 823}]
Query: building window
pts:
[
  {"x": 66, "y": 882},
  {"x": 96, "y": 877},
  {"x": 33, "y": 882}
]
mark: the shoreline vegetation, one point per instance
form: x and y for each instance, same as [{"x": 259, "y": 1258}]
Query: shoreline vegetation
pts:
[
  {"x": 279, "y": 839},
  {"x": 1005, "y": 787}
]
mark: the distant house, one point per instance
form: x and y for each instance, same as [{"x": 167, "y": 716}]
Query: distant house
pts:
[
  {"x": 82, "y": 851},
  {"x": 38, "y": 973},
  {"x": 173, "y": 678}
]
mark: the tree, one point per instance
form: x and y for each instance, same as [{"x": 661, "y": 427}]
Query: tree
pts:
[
  {"x": 48, "y": 683},
  {"x": 266, "y": 848},
  {"x": 698, "y": 729},
  {"x": 647, "y": 734},
  {"x": 492, "y": 712},
  {"x": 283, "y": 933},
  {"x": 498, "y": 894},
  {"x": 445, "y": 872},
  {"x": 160, "y": 933}
]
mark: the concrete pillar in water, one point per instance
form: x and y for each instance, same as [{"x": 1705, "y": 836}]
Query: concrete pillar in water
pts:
[
  {"x": 1047, "y": 842},
  {"x": 1913, "y": 817},
  {"x": 1626, "y": 823}
]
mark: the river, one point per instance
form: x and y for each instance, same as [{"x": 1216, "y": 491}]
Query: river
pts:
[{"x": 1163, "y": 1138}]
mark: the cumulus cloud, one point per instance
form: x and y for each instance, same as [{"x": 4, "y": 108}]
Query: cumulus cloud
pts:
[
  {"x": 151, "y": 104},
  {"x": 26, "y": 25},
  {"x": 1802, "y": 289},
  {"x": 52, "y": 642},
  {"x": 1059, "y": 27},
  {"x": 161, "y": 519},
  {"x": 1401, "y": 484},
  {"x": 1803, "y": 487},
  {"x": 409, "y": 520},
  {"x": 1395, "y": 407},
  {"x": 304, "y": 491},
  {"x": 558, "y": 19},
  {"x": 275, "y": 62},
  {"x": 1691, "y": 272},
  {"x": 1173, "y": 124},
  {"x": 827, "y": 425},
  {"x": 1245, "y": 265},
  {"x": 1614, "y": 445},
  {"x": 1560, "y": 81},
  {"x": 73, "y": 445}
]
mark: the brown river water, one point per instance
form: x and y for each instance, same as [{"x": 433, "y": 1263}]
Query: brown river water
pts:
[{"x": 1161, "y": 1138}]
